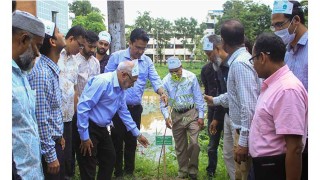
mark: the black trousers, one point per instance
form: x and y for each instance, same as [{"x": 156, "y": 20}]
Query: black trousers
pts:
[
  {"x": 120, "y": 135},
  {"x": 270, "y": 167},
  {"x": 213, "y": 143},
  {"x": 60, "y": 156},
  {"x": 69, "y": 155},
  {"x": 102, "y": 154},
  {"x": 304, "y": 174}
]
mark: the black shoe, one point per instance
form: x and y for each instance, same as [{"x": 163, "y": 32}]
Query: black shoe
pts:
[
  {"x": 193, "y": 176},
  {"x": 210, "y": 174}
]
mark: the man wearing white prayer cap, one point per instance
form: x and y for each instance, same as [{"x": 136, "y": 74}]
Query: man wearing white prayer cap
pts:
[
  {"x": 27, "y": 38},
  {"x": 44, "y": 79},
  {"x": 186, "y": 117},
  {"x": 102, "y": 97},
  {"x": 102, "y": 49},
  {"x": 288, "y": 22}
]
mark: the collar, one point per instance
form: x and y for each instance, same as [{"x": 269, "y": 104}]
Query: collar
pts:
[
  {"x": 302, "y": 42},
  {"x": 127, "y": 54},
  {"x": 275, "y": 76},
  {"x": 16, "y": 67},
  {"x": 64, "y": 55},
  {"x": 50, "y": 63},
  {"x": 235, "y": 55},
  {"x": 115, "y": 79}
]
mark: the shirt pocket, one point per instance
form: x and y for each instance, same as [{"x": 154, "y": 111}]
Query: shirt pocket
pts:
[{"x": 265, "y": 122}]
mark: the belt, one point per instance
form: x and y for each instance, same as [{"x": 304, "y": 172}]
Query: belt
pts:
[{"x": 183, "y": 110}]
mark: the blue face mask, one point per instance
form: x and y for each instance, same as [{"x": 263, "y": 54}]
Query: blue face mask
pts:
[{"x": 285, "y": 35}]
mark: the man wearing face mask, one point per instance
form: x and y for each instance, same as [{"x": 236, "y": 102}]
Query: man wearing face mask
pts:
[
  {"x": 27, "y": 38},
  {"x": 213, "y": 77},
  {"x": 289, "y": 25},
  {"x": 186, "y": 117}
]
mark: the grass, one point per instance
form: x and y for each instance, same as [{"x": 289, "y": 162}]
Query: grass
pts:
[{"x": 147, "y": 163}]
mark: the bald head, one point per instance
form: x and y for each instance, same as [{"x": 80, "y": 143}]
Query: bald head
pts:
[
  {"x": 232, "y": 32},
  {"x": 125, "y": 66}
]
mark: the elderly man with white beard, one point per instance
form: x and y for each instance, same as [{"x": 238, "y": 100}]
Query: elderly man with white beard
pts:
[{"x": 27, "y": 38}]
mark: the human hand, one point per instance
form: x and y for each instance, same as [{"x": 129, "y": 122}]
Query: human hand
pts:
[
  {"x": 213, "y": 127},
  {"x": 53, "y": 167},
  {"x": 86, "y": 146},
  {"x": 200, "y": 123},
  {"x": 241, "y": 154},
  {"x": 143, "y": 141},
  {"x": 164, "y": 98},
  {"x": 208, "y": 99},
  {"x": 169, "y": 123},
  {"x": 63, "y": 143}
]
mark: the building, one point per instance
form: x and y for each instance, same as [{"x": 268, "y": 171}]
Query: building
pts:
[
  {"x": 174, "y": 48},
  {"x": 55, "y": 11},
  {"x": 211, "y": 20}
]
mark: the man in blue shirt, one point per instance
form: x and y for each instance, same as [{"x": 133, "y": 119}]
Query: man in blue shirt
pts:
[
  {"x": 289, "y": 25},
  {"x": 27, "y": 38},
  {"x": 102, "y": 97},
  {"x": 44, "y": 78},
  {"x": 137, "y": 45}
]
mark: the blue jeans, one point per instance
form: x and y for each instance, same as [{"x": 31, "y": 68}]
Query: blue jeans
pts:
[{"x": 213, "y": 145}]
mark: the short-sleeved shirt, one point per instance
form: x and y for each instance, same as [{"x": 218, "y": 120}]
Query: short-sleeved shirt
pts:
[
  {"x": 282, "y": 109},
  {"x": 68, "y": 79},
  {"x": 86, "y": 70}
]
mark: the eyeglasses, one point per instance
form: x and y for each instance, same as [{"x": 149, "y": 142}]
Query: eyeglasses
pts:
[
  {"x": 278, "y": 25},
  {"x": 252, "y": 58}
]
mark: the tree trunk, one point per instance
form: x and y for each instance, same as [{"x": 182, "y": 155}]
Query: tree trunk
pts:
[{"x": 116, "y": 25}]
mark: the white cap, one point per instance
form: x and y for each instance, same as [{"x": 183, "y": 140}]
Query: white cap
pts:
[
  {"x": 173, "y": 62},
  {"x": 48, "y": 26},
  {"x": 207, "y": 45},
  {"x": 282, "y": 7},
  {"x": 104, "y": 35},
  {"x": 135, "y": 69}
]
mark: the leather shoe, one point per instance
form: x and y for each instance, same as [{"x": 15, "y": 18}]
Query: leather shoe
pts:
[{"x": 193, "y": 176}]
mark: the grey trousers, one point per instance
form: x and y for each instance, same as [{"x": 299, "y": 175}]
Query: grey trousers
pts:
[
  {"x": 185, "y": 125},
  {"x": 228, "y": 141}
]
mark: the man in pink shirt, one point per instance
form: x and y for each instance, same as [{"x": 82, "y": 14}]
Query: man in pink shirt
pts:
[{"x": 279, "y": 126}]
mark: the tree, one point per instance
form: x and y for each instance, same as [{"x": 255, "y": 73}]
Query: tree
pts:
[
  {"x": 94, "y": 21},
  {"x": 82, "y": 8},
  {"x": 162, "y": 31},
  {"x": 87, "y": 16},
  {"x": 144, "y": 21},
  {"x": 255, "y": 17},
  {"x": 116, "y": 25}
]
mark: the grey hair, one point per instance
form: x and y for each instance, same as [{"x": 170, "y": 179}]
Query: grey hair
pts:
[
  {"x": 215, "y": 39},
  {"x": 125, "y": 66}
]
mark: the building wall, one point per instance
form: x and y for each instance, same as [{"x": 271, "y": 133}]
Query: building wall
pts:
[
  {"x": 46, "y": 7},
  {"x": 28, "y": 6}
]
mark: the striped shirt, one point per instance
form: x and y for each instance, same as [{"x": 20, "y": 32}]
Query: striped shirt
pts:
[
  {"x": 68, "y": 79},
  {"x": 25, "y": 135},
  {"x": 297, "y": 59},
  {"x": 243, "y": 88},
  {"x": 183, "y": 94},
  {"x": 146, "y": 71},
  {"x": 44, "y": 78},
  {"x": 87, "y": 69}
]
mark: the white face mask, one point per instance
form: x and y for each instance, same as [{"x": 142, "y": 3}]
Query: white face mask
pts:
[{"x": 285, "y": 35}]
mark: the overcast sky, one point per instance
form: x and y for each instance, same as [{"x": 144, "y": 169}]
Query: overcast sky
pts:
[{"x": 168, "y": 9}]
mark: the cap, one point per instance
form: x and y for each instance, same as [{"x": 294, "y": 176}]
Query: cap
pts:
[
  {"x": 28, "y": 22},
  {"x": 174, "y": 62},
  {"x": 49, "y": 26},
  {"x": 282, "y": 6},
  {"x": 104, "y": 35},
  {"x": 207, "y": 45}
]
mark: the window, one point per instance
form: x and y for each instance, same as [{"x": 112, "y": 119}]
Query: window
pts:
[{"x": 54, "y": 16}]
